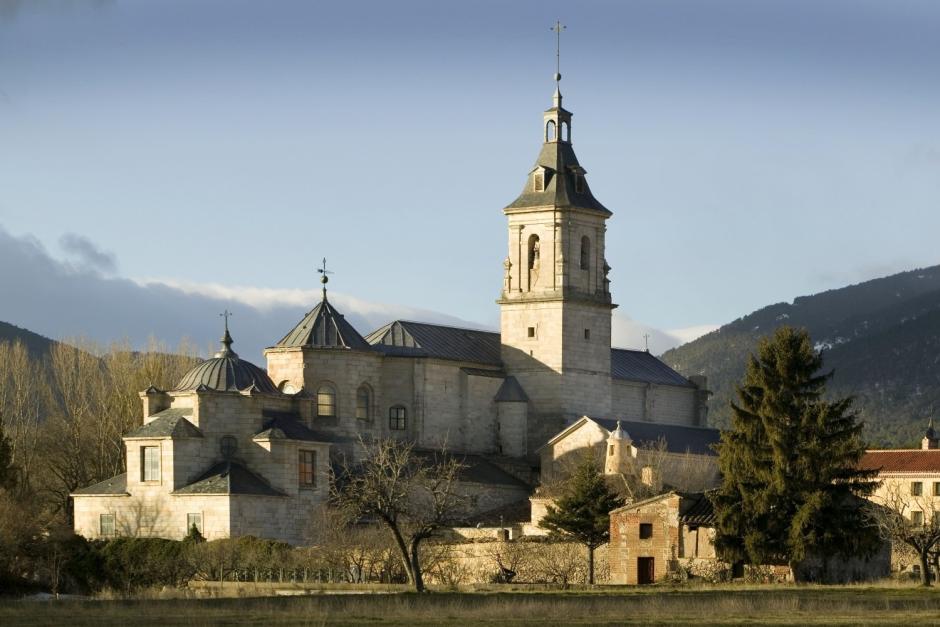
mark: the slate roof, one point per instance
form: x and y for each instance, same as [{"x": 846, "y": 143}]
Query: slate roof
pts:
[
  {"x": 169, "y": 423},
  {"x": 324, "y": 327},
  {"x": 517, "y": 512},
  {"x": 420, "y": 339},
  {"x": 477, "y": 469},
  {"x": 903, "y": 461},
  {"x": 230, "y": 477},
  {"x": 679, "y": 438},
  {"x": 631, "y": 365},
  {"x": 291, "y": 427},
  {"x": 115, "y": 486},
  {"x": 511, "y": 392},
  {"x": 561, "y": 166}
]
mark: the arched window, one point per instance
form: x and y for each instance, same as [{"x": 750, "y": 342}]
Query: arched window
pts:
[
  {"x": 585, "y": 253},
  {"x": 550, "y": 131},
  {"x": 564, "y": 132},
  {"x": 364, "y": 403},
  {"x": 326, "y": 401},
  {"x": 397, "y": 418},
  {"x": 533, "y": 252}
]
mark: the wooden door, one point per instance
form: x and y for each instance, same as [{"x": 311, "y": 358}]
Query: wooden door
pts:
[{"x": 645, "y": 570}]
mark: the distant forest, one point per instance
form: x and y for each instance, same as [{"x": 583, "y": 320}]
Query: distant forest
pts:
[{"x": 881, "y": 338}]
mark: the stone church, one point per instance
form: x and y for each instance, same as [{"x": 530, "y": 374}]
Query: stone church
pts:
[{"x": 236, "y": 450}]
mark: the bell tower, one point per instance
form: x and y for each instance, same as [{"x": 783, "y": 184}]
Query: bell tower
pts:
[{"x": 555, "y": 306}]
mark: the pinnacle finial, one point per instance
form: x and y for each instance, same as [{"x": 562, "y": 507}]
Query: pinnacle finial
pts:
[
  {"x": 557, "y": 28},
  {"x": 227, "y": 340},
  {"x": 324, "y": 279}
]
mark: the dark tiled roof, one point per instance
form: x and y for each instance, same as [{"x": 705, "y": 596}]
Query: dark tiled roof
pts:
[
  {"x": 561, "y": 166},
  {"x": 516, "y": 512},
  {"x": 230, "y": 478},
  {"x": 291, "y": 427},
  {"x": 477, "y": 469},
  {"x": 630, "y": 365},
  {"x": 910, "y": 460},
  {"x": 228, "y": 373},
  {"x": 169, "y": 423},
  {"x": 324, "y": 327},
  {"x": 511, "y": 392},
  {"x": 679, "y": 438},
  {"x": 113, "y": 486},
  {"x": 696, "y": 509},
  {"x": 420, "y": 339}
]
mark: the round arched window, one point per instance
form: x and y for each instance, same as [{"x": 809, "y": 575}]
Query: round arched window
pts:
[
  {"x": 363, "y": 403},
  {"x": 326, "y": 401}
]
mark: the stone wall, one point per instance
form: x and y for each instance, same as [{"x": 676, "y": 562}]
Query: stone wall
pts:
[
  {"x": 626, "y": 547},
  {"x": 649, "y": 402}
]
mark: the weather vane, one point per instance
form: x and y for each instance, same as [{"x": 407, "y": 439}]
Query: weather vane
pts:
[
  {"x": 324, "y": 272},
  {"x": 557, "y": 28},
  {"x": 646, "y": 340}
]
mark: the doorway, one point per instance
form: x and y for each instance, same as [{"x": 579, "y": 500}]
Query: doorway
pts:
[{"x": 645, "y": 570}]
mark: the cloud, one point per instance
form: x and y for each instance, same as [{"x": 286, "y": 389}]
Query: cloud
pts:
[
  {"x": 12, "y": 9},
  {"x": 87, "y": 254},
  {"x": 62, "y": 300}
]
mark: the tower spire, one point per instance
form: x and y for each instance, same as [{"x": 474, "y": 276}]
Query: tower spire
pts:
[
  {"x": 557, "y": 28},
  {"x": 227, "y": 340},
  {"x": 324, "y": 279}
]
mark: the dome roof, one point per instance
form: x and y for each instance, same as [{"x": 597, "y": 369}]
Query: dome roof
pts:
[
  {"x": 226, "y": 372},
  {"x": 619, "y": 434}
]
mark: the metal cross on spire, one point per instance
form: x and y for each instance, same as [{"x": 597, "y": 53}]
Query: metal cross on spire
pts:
[
  {"x": 226, "y": 314},
  {"x": 646, "y": 340},
  {"x": 324, "y": 279},
  {"x": 557, "y": 28}
]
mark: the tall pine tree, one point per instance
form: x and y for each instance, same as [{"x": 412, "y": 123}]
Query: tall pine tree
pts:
[
  {"x": 791, "y": 485},
  {"x": 583, "y": 511}
]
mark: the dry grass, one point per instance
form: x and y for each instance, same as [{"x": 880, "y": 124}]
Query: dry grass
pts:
[{"x": 726, "y": 605}]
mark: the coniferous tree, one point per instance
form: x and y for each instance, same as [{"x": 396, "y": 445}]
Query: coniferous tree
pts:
[
  {"x": 791, "y": 484},
  {"x": 583, "y": 511}
]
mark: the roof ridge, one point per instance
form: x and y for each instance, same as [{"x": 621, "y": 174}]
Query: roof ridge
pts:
[{"x": 435, "y": 324}]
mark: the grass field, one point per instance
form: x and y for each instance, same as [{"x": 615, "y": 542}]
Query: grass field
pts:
[{"x": 739, "y": 605}]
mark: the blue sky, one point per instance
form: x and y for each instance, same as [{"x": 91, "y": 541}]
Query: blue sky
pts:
[{"x": 751, "y": 151}]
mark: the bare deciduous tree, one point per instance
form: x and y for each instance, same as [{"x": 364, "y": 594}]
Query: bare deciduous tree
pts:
[
  {"x": 412, "y": 493},
  {"x": 908, "y": 521}
]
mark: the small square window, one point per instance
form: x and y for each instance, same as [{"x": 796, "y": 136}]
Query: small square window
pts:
[
  {"x": 531, "y": 331},
  {"x": 646, "y": 531},
  {"x": 917, "y": 517},
  {"x": 587, "y": 334},
  {"x": 917, "y": 488},
  {"x": 106, "y": 526}
]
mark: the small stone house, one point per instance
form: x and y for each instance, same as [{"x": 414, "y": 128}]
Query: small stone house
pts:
[{"x": 650, "y": 539}]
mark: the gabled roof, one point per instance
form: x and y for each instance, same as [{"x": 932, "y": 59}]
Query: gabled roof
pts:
[
  {"x": 694, "y": 508},
  {"x": 115, "y": 486},
  {"x": 560, "y": 167},
  {"x": 324, "y": 327},
  {"x": 902, "y": 461},
  {"x": 678, "y": 438},
  {"x": 420, "y": 339},
  {"x": 169, "y": 423},
  {"x": 632, "y": 365},
  {"x": 229, "y": 477}
]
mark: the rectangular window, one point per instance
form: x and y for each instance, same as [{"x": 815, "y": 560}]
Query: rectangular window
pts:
[
  {"x": 610, "y": 450},
  {"x": 587, "y": 334},
  {"x": 646, "y": 531},
  {"x": 936, "y": 488},
  {"x": 193, "y": 520},
  {"x": 917, "y": 488},
  {"x": 539, "y": 182},
  {"x": 106, "y": 525},
  {"x": 150, "y": 463},
  {"x": 917, "y": 517},
  {"x": 579, "y": 183},
  {"x": 397, "y": 418},
  {"x": 308, "y": 463},
  {"x": 531, "y": 331}
]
